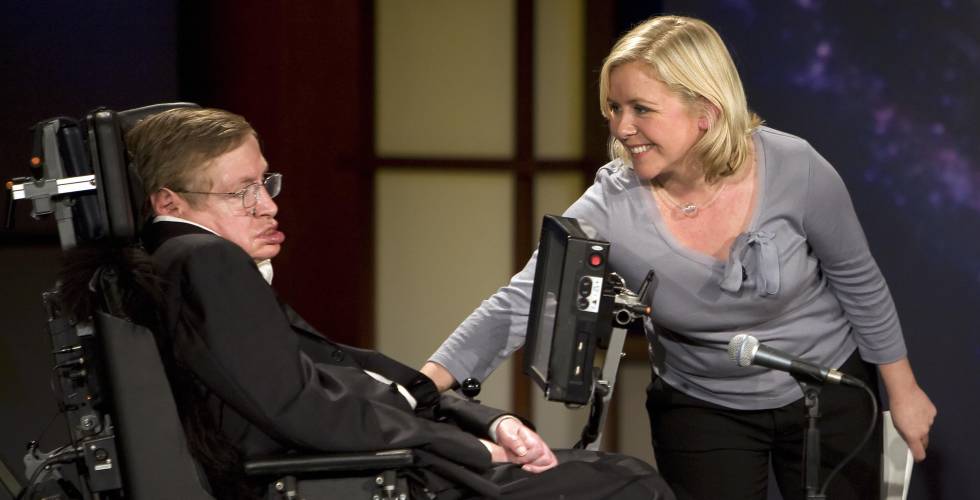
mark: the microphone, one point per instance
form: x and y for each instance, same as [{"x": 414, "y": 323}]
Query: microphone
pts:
[{"x": 746, "y": 351}]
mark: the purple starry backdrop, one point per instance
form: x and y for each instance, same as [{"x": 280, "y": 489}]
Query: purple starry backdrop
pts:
[{"x": 888, "y": 92}]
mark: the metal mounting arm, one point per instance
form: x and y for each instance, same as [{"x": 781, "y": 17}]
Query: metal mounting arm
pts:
[{"x": 628, "y": 307}]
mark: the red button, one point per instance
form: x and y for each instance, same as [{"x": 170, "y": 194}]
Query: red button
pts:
[{"x": 595, "y": 260}]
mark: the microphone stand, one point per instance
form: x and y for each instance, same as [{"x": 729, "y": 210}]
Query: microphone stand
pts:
[{"x": 811, "y": 439}]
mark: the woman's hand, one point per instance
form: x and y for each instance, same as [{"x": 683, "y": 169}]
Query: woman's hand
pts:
[
  {"x": 912, "y": 411},
  {"x": 439, "y": 374},
  {"x": 913, "y": 414}
]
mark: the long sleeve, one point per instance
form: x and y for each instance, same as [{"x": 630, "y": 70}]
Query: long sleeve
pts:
[
  {"x": 492, "y": 332},
  {"x": 835, "y": 235},
  {"x": 469, "y": 416},
  {"x": 498, "y": 327},
  {"x": 229, "y": 331}
]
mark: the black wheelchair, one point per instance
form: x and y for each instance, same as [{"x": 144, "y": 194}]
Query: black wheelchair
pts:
[{"x": 127, "y": 440}]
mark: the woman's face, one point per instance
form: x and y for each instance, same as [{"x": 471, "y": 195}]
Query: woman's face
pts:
[{"x": 657, "y": 127}]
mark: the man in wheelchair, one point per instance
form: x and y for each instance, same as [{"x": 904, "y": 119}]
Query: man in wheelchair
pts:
[{"x": 252, "y": 378}]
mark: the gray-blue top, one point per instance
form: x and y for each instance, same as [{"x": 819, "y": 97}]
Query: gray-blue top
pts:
[{"x": 801, "y": 279}]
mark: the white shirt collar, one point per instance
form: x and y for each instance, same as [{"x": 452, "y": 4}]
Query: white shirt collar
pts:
[
  {"x": 171, "y": 218},
  {"x": 265, "y": 266}
]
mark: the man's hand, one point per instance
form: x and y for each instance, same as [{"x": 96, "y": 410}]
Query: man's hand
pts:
[
  {"x": 524, "y": 447},
  {"x": 498, "y": 455}
]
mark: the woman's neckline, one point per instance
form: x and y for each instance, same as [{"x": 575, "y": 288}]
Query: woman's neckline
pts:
[{"x": 679, "y": 248}]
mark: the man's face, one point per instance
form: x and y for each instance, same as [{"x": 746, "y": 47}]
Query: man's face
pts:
[{"x": 254, "y": 229}]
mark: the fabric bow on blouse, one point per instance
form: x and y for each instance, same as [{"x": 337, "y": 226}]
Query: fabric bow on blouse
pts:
[{"x": 765, "y": 272}]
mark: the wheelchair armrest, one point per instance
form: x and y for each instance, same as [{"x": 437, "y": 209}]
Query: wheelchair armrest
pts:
[{"x": 334, "y": 462}]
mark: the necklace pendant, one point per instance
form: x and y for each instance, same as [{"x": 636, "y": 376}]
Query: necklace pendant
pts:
[{"x": 689, "y": 209}]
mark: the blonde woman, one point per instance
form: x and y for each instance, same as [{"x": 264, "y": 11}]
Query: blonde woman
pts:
[{"x": 749, "y": 230}]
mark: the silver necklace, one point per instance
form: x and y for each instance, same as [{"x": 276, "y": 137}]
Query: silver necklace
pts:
[{"x": 690, "y": 209}]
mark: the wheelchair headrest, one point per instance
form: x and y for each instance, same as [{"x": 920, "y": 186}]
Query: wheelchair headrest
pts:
[
  {"x": 129, "y": 118},
  {"x": 117, "y": 211},
  {"x": 120, "y": 190}
]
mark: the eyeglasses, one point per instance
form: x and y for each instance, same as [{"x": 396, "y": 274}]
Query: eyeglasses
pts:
[{"x": 271, "y": 182}]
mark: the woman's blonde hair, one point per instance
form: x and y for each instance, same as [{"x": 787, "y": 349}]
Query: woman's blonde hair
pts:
[{"x": 690, "y": 58}]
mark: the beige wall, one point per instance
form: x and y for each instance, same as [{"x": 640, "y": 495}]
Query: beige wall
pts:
[
  {"x": 444, "y": 238},
  {"x": 443, "y": 243},
  {"x": 444, "y": 78},
  {"x": 559, "y": 59},
  {"x": 634, "y": 428}
]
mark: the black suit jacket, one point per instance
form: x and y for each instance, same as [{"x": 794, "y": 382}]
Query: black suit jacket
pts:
[{"x": 280, "y": 385}]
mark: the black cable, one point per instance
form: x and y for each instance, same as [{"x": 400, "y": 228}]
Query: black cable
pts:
[
  {"x": 860, "y": 446},
  {"x": 591, "y": 430},
  {"x": 26, "y": 492},
  {"x": 72, "y": 454},
  {"x": 47, "y": 427}
]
